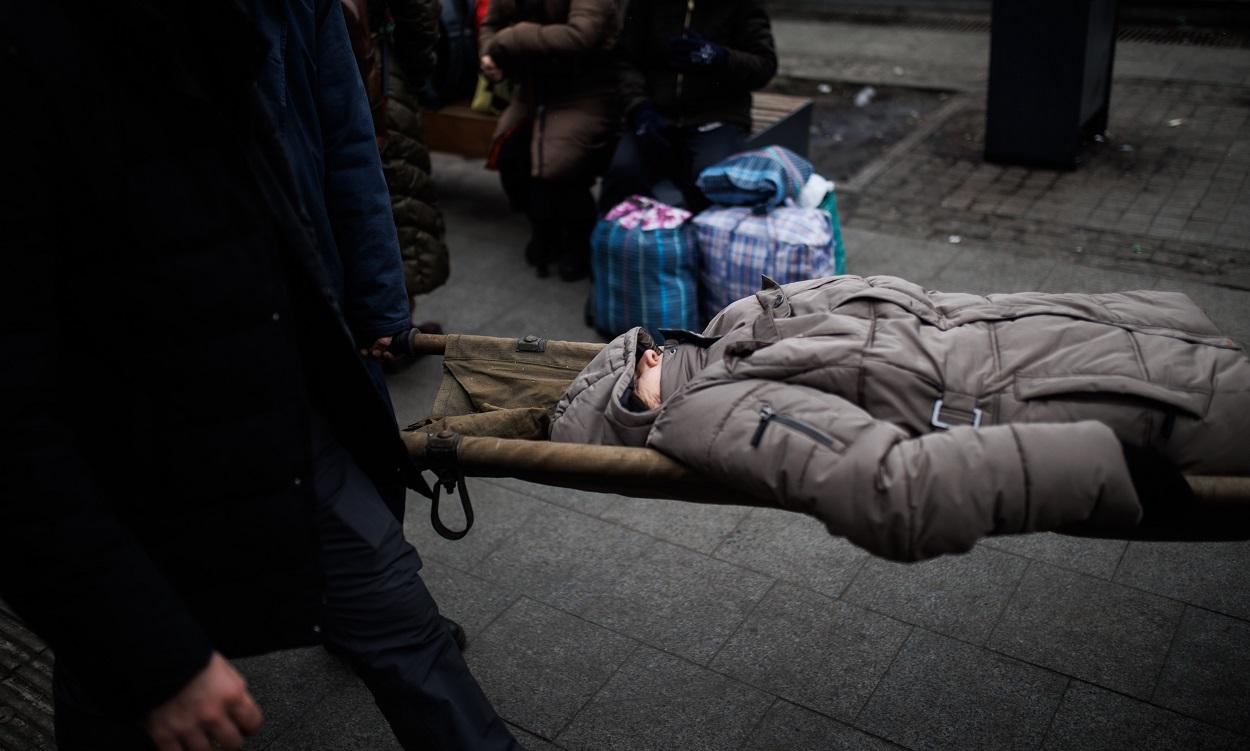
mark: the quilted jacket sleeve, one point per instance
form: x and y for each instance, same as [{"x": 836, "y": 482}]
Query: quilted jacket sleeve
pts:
[
  {"x": 587, "y": 25},
  {"x": 375, "y": 300},
  {"x": 897, "y": 496},
  {"x": 416, "y": 37}
]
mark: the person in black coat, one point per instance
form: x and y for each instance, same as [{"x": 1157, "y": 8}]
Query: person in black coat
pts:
[
  {"x": 688, "y": 70},
  {"x": 195, "y": 463}
]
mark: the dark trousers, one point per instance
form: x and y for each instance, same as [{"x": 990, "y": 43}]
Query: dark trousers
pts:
[
  {"x": 561, "y": 212},
  {"x": 378, "y": 613},
  {"x": 637, "y": 168}
]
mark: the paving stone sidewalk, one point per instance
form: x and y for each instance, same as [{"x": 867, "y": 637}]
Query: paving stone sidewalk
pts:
[
  {"x": 1166, "y": 194},
  {"x": 604, "y": 622}
]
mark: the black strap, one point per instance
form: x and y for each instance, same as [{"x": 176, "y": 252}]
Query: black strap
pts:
[{"x": 441, "y": 456}]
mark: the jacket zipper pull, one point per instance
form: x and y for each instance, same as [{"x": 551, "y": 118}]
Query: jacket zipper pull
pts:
[{"x": 766, "y": 416}]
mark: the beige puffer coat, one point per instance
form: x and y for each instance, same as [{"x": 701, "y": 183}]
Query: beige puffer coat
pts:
[
  {"x": 914, "y": 423},
  {"x": 560, "y": 53}
]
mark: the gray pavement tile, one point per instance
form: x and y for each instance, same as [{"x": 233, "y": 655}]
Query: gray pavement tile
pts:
[
  {"x": 1088, "y": 628},
  {"x": 24, "y": 720},
  {"x": 1207, "y": 674},
  {"x": 869, "y": 253},
  {"x": 18, "y": 644},
  {"x": 961, "y": 596},
  {"x": 288, "y": 684},
  {"x": 540, "y": 666},
  {"x": 498, "y": 513},
  {"x": 1210, "y": 574},
  {"x": 1094, "y": 719},
  {"x": 531, "y": 742},
  {"x": 553, "y": 547},
  {"x": 1085, "y": 554},
  {"x": 551, "y": 312},
  {"x": 787, "y": 726},
  {"x": 701, "y": 526},
  {"x": 668, "y": 597},
  {"x": 658, "y": 702},
  {"x": 413, "y": 388},
  {"x": 347, "y": 719},
  {"x": 466, "y": 599},
  {"x": 29, "y": 690},
  {"x": 1069, "y": 277},
  {"x": 794, "y": 548},
  {"x": 997, "y": 269},
  {"x": 577, "y": 500},
  {"x": 1227, "y": 308},
  {"x": 820, "y": 653},
  {"x": 944, "y": 694}
]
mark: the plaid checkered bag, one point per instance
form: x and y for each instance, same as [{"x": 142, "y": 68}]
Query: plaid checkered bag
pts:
[
  {"x": 764, "y": 177},
  {"x": 644, "y": 259},
  {"x": 736, "y": 245}
]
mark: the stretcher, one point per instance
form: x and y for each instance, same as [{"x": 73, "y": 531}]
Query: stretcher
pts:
[{"x": 491, "y": 417}]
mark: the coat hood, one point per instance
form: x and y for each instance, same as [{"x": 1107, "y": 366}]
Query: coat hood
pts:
[{"x": 594, "y": 409}]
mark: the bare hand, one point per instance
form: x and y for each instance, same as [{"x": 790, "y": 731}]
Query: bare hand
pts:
[
  {"x": 490, "y": 70},
  {"x": 378, "y": 350},
  {"x": 214, "y": 708}
]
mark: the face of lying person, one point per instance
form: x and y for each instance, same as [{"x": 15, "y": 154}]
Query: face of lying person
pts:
[{"x": 647, "y": 378}]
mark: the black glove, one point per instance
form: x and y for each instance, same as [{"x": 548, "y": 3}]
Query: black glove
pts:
[
  {"x": 695, "y": 51},
  {"x": 649, "y": 129},
  {"x": 1162, "y": 490}
]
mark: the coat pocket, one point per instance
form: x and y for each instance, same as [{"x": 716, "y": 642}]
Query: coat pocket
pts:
[
  {"x": 1191, "y": 402},
  {"x": 768, "y": 416}
]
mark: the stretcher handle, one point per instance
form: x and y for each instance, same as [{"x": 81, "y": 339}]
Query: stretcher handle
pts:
[{"x": 427, "y": 344}]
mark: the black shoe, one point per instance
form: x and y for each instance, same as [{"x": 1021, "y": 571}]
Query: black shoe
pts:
[
  {"x": 536, "y": 255},
  {"x": 457, "y": 633},
  {"x": 573, "y": 269}
]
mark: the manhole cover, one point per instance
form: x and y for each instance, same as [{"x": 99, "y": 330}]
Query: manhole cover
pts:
[{"x": 854, "y": 124}]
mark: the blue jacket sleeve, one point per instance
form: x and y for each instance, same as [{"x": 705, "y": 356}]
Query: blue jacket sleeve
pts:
[{"x": 375, "y": 300}]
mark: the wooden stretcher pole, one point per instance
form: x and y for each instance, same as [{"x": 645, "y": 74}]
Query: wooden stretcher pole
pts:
[
  {"x": 648, "y": 473},
  {"x": 428, "y": 344},
  {"x": 638, "y": 472},
  {"x": 1220, "y": 490}
]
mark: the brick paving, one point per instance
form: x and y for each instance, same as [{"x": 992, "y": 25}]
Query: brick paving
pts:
[{"x": 1167, "y": 194}]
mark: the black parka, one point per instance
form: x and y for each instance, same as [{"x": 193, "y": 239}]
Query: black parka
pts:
[
  {"x": 165, "y": 324},
  {"x": 697, "y": 97}
]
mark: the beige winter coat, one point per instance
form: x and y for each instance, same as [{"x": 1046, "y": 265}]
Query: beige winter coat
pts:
[
  {"x": 914, "y": 423},
  {"x": 560, "y": 52}
]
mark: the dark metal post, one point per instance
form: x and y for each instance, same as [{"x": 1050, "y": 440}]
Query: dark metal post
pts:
[{"x": 1050, "y": 79}]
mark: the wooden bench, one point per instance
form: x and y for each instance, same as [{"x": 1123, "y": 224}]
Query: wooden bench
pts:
[{"x": 776, "y": 120}]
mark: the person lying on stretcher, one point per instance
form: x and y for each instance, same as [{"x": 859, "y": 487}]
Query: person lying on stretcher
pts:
[{"x": 914, "y": 423}]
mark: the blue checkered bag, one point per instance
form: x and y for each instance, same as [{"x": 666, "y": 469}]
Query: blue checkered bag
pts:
[
  {"x": 736, "y": 245},
  {"x": 764, "y": 177},
  {"x": 644, "y": 258}
]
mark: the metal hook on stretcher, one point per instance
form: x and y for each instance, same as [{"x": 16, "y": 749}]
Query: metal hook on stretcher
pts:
[{"x": 440, "y": 455}]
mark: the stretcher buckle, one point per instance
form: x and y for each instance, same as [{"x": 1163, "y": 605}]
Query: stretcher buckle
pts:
[
  {"x": 964, "y": 417},
  {"x": 443, "y": 460}
]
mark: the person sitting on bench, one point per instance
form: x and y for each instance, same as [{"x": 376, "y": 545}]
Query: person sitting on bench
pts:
[
  {"x": 914, "y": 423},
  {"x": 688, "y": 73}
]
